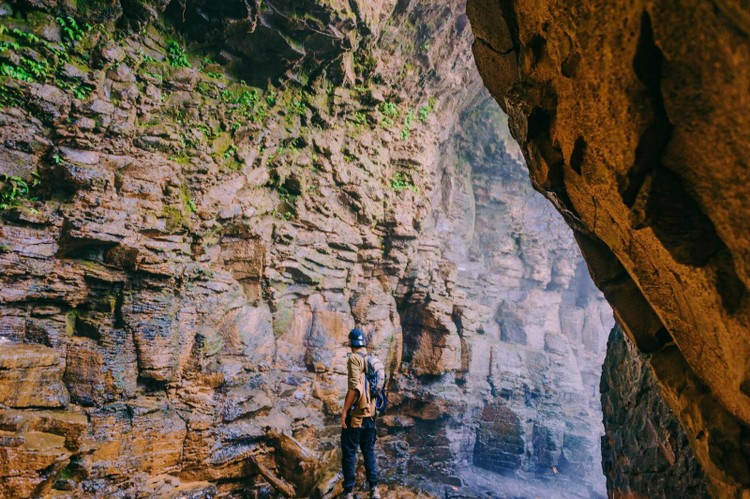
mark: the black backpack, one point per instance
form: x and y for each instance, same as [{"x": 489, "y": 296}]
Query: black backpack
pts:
[{"x": 375, "y": 381}]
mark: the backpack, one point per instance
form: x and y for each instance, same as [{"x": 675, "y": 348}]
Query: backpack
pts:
[{"x": 375, "y": 381}]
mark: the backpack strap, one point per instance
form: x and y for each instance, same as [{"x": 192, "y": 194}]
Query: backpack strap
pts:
[{"x": 365, "y": 383}]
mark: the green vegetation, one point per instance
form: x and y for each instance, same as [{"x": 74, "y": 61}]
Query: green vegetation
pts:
[
  {"x": 389, "y": 113},
  {"x": 406, "y": 131},
  {"x": 279, "y": 184},
  {"x": 298, "y": 107},
  {"x": 176, "y": 55},
  {"x": 173, "y": 217},
  {"x": 230, "y": 152},
  {"x": 424, "y": 111},
  {"x": 401, "y": 181},
  {"x": 360, "y": 118},
  {"x": 146, "y": 58},
  {"x": 188, "y": 200},
  {"x": 72, "y": 31},
  {"x": 26, "y": 57},
  {"x": 14, "y": 190},
  {"x": 247, "y": 103}
]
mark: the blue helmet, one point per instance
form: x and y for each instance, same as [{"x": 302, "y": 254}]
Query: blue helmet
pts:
[{"x": 357, "y": 337}]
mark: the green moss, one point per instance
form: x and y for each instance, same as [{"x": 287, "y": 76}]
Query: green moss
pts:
[
  {"x": 174, "y": 218},
  {"x": 70, "y": 322},
  {"x": 187, "y": 199}
]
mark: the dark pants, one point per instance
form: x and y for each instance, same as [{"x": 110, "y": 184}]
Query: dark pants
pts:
[{"x": 351, "y": 438}]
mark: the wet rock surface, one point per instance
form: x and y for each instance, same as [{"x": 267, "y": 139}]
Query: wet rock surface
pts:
[
  {"x": 178, "y": 283},
  {"x": 631, "y": 121}
]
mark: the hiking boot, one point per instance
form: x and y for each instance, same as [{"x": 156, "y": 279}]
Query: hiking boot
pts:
[{"x": 375, "y": 493}]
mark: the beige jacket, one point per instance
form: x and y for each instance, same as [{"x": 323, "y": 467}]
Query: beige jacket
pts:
[{"x": 363, "y": 406}]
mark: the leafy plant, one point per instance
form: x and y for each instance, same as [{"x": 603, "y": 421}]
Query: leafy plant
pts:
[
  {"x": 72, "y": 31},
  {"x": 204, "y": 129},
  {"x": 12, "y": 46},
  {"x": 298, "y": 107},
  {"x": 406, "y": 131},
  {"x": 389, "y": 112},
  {"x": 230, "y": 152},
  {"x": 30, "y": 38},
  {"x": 401, "y": 181},
  {"x": 34, "y": 59},
  {"x": 176, "y": 56},
  {"x": 15, "y": 189},
  {"x": 360, "y": 118},
  {"x": 424, "y": 111},
  {"x": 15, "y": 72},
  {"x": 146, "y": 58},
  {"x": 247, "y": 102}
]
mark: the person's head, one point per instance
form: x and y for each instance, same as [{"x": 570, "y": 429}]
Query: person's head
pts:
[{"x": 357, "y": 338}]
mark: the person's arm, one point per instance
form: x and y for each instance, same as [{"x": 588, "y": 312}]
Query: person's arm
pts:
[{"x": 350, "y": 395}]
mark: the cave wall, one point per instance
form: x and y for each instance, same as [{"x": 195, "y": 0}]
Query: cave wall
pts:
[
  {"x": 178, "y": 281},
  {"x": 633, "y": 122},
  {"x": 504, "y": 332},
  {"x": 645, "y": 452}
]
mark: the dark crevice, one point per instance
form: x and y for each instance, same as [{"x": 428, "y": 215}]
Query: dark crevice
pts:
[
  {"x": 579, "y": 152},
  {"x": 537, "y": 46},
  {"x": 548, "y": 176},
  {"x": 730, "y": 287},
  {"x": 570, "y": 65},
  {"x": 511, "y": 20},
  {"x": 647, "y": 65},
  {"x": 676, "y": 219},
  {"x": 539, "y": 123},
  {"x": 87, "y": 328}
]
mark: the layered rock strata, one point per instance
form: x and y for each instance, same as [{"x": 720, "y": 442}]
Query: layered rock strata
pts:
[
  {"x": 504, "y": 330},
  {"x": 633, "y": 120},
  {"x": 183, "y": 254}
]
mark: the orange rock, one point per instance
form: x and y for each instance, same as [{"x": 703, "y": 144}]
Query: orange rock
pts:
[{"x": 30, "y": 376}]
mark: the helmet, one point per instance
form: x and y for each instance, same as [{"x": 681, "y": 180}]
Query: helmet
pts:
[{"x": 357, "y": 337}]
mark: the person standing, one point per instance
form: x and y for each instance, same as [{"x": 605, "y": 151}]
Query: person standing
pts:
[{"x": 358, "y": 420}]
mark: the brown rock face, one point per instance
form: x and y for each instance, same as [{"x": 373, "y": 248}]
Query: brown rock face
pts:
[
  {"x": 645, "y": 452},
  {"x": 633, "y": 119},
  {"x": 30, "y": 376}
]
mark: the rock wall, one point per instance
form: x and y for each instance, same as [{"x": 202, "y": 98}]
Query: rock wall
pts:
[
  {"x": 633, "y": 120},
  {"x": 645, "y": 452},
  {"x": 503, "y": 330},
  {"x": 183, "y": 253}
]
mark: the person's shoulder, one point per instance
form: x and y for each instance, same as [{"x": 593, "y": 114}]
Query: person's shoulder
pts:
[{"x": 358, "y": 357}]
